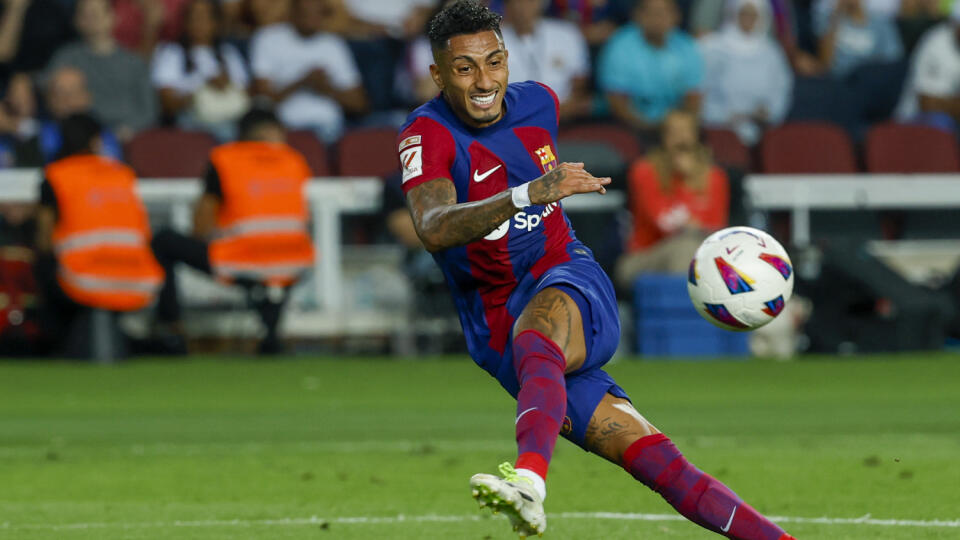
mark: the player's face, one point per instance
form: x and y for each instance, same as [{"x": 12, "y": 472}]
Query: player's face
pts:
[{"x": 472, "y": 74}]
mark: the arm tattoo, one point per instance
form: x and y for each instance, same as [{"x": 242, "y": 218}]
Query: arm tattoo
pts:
[
  {"x": 546, "y": 189},
  {"x": 442, "y": 223}
]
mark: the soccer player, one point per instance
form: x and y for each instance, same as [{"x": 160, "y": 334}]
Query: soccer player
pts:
[{"x": 484, "y": 187}]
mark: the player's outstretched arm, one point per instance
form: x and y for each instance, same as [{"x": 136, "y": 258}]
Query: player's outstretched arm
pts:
[{"x": 441, "y": 223}]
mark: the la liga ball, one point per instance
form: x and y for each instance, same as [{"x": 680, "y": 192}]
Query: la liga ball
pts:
[{"x": 740, "y": 279}]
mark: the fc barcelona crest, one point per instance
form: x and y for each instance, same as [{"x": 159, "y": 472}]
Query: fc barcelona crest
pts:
[{"x": 548, "y": 161}]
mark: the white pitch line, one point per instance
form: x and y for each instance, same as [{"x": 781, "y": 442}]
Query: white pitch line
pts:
[{"x": 433, "y": 518}]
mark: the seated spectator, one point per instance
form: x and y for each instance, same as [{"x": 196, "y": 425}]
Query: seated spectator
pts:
[
  {"x": 916, "y": 17},
  {"x": 250, "y": 225},
  {"x": 748, "y": 82},
  {"x": 30, "y": 32},
  {"x": 244, "y": 17},
  {"x": 549, "y": 51},
  {"x": 403, "y": 19},
  {"x": 650, "y": 67},
  {"x": 310, "y": 74},
  {"x": 202, "y": 81},
  {"x": 597, "y": 19},
  {"x": 141, "y": 24},
  {"x": 18, "y": 124},
  {"x": 932, "y": 92},
  {"x": 92, "y": 240},
  {"x": 677, "y": 197},
  {"x": 118, "y": 79},
  {"x": 377, "y": 31},
  {"x": 852, "y": 36},
  {"x": 67, "y": 95}
]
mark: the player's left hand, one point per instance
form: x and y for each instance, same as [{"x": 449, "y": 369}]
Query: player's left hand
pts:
[{"x": 567, "y": 179}]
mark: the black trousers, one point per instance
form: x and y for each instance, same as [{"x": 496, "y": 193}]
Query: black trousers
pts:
[
  {"x": 66, "y": 325},
  {"x": 170, "y": 248}
]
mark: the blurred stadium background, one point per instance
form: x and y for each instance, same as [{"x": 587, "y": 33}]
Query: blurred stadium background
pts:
[{"x": 829, "y": 123}]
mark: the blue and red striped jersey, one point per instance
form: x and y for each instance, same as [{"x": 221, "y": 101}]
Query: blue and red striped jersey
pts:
[{"x": 485, "y": 275}]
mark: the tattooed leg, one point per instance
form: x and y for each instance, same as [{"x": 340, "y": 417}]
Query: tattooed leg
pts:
[
  {"x": 618, "y": 433},
  {"x": 548, "y": 342}
]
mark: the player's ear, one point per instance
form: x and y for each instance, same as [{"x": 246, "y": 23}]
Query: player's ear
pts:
[{"x": 435, "y": 75}]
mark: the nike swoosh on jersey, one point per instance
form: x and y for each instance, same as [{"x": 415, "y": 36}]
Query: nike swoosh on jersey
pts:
[
  {"x": 477, "y": 177},
  {"x": 523, "y": 413},
  {"x": 729, "y": 521}
]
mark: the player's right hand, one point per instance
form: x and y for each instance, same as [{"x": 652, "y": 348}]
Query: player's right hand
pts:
[{"x": 567, "y": 179}]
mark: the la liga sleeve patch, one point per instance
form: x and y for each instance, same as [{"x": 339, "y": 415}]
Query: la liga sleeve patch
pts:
[
  {"x": 411, "y": 160},
  {"x": 426, "y": 151}
]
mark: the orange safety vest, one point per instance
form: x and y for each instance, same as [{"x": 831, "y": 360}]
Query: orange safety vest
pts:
[
  {"x": 102, "y": 236},
  {"x": 262, "y": 219}
]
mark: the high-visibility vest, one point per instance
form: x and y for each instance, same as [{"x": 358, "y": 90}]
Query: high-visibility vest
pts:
[
  {"x": 262, "y": 219},
  {"x": 102, "y": 235}
]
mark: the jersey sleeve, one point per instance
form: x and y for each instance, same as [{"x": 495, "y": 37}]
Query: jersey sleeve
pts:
[
  {"x": 426, "y": 151},
  {"x": 556, "y": 100}
]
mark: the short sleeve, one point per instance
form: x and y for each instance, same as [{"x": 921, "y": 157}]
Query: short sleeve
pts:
[
  {"x": 427, "y": 151},
  {"x": 211, "y": 183},
  {"x": 342, "y": 70},
  {"x": 694, "y": 71},
  {"x": 261, "y": 55},
  {"x": 611, "y": 73},
  {"x": 556, "y": 100},
  {"x": 166, "y": 68},
  {"x": 47, "y": 196},
  {"x": 932, "y": 74}
]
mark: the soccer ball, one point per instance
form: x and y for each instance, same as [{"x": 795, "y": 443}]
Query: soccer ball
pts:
[{"x": 740, "y": 279}]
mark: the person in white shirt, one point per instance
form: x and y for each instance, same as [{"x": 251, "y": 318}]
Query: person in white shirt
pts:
[
  {"x": 202, "y": 81},
  {"x": 932, "y": 91},
  {"x": 310, "y": 74},
  {"x": 402, "y": 19},
  {"x": 748, "y": 82},
  {"x": 549, "y": 51}
]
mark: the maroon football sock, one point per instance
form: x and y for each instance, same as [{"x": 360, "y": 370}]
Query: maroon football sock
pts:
[
  {"x": 699, "y": 497},
  {"x": 542, "y": 400}
]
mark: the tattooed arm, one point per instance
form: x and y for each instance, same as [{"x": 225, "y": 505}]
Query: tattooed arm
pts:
[{"x": 441, "y": 223}]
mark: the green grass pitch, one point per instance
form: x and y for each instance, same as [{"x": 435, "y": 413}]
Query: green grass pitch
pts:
[{"x": 342, "y": 448}]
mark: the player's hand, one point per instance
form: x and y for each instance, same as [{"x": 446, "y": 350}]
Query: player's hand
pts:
[{"x": 567, "y": 179}]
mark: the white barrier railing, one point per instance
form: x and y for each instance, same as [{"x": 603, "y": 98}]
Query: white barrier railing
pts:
[
  {"x": 329, "y": 198},
  {"x": 804, "y": 192}
]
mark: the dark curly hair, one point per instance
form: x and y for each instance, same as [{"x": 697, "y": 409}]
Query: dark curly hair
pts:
[{"x": 461, "y": 17}]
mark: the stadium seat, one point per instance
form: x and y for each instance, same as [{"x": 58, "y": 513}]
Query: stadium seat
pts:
[
  {"x": 807, "y": 148},
  {"x": 170, "y": 153},
  {"x": 727, "y": 149},
  {"x": 618, "y": 137},
  {"x": 904, "y": 148},
  {"x": 368, "y": 152},
  {"x": 667, "y": 324},
  {"x": 312, "y": 149}
]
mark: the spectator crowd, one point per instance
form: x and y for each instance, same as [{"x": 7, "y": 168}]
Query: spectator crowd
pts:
[{"x": 662, "y": 68}]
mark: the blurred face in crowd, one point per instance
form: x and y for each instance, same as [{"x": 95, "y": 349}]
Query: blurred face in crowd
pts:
[
  {"x": 523, "y": 14},
  {"x": 472, "y": 74},
  {"x": 67, "y": 93},
  {"x": 94, "y": 19},
  {"x": 20, "y": 99},
  {"x": 747, "y": 18},
  {"x": 679, "y": 133},
  {"x": 850, "y": 7},
  {"x": 267, "y": 132},
  {"x": 201, "y": 22},
  {"x": 657, "y": 18},
  {"x": 308, "y": 15},
  {"x": 265, "y": 12}
]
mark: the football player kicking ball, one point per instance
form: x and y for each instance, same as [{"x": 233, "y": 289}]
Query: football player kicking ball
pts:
[{"x": 484, "y": 186}]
